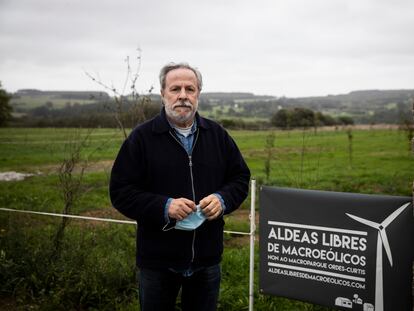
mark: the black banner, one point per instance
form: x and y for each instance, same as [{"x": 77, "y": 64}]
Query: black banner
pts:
[{"x": 342, "y": 250}]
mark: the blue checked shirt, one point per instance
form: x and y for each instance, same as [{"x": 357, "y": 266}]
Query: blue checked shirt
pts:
[{"x": 187, "y": 143}]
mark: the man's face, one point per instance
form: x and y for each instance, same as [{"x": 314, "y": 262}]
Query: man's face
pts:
[{"x": 180, "y": 96}]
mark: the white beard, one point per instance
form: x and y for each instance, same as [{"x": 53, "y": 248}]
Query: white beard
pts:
[{"x": 178, "y": 117}]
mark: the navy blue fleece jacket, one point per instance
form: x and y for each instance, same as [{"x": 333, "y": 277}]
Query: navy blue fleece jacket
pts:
[{"x": 153, "y": 166}]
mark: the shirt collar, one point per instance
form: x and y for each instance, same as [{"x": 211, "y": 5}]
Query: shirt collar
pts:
[
  {"x": 161, "y": 123},
  {"x": 192, "y": 129}
]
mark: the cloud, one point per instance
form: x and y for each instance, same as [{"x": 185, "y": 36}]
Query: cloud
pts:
[{"x": 274, "y": 47}]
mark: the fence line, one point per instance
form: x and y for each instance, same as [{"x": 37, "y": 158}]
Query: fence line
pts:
[
  {"x": 70, "y": 216},
  {"x": 129, "y": 222}
]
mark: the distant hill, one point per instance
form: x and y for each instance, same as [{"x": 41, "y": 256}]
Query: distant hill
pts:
[
  {"x": 86, "y": 95},
  {"x": 31, "y": 98},
  {"x": 364, "y": 106},
  {"x": 367, "y": 106},
  {"x": 232, "y": 96},
  {"x": 369, "y": 95}
]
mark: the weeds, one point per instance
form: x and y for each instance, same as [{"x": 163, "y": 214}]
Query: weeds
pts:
[
  {"x": 298, "y": 167},
  {"x": 350, "y": 150},
  {"x": 89, "y": 273},
  {"x": 270, "y": 143},
  {"x": 69, "y": 183}
]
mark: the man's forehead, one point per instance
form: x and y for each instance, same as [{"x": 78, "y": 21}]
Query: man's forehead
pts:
[{"x": 181, "y": 74}]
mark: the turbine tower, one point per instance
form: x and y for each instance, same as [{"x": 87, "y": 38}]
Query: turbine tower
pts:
[{"x": 382, "y": 240}]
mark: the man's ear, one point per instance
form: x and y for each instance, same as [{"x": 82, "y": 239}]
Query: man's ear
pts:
[{"x": 162, "y": 97}]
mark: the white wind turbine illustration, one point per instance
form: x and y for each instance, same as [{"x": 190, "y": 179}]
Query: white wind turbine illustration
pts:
[{"x": 382, "y": 240}]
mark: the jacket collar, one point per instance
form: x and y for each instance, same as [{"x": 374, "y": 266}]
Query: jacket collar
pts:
[{"x": 161, "y": 125}]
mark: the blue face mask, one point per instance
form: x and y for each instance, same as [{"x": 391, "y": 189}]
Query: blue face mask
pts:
[{"x": 192, "y": 221}]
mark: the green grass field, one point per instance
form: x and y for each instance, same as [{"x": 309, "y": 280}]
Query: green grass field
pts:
[
  {"x": 95, "y": 269},
  {"x": 380, "y": 161}
]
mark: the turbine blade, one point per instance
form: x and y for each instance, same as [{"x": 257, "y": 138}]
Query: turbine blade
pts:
[
  {"x": 394, "y": 215},
  {"x": 379, "y": 279},
  {"x": 364, "y": 221},
  {"x": 386, "y": 244}
]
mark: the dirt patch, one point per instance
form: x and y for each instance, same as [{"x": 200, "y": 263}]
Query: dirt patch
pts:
[
  {"x": 359, "y": 127},
  {"x": 106, "y": 213},
  {"x": 99, "y": 166},
  {"x": 236, "y": 241},
  {"x": 243, "y": 214}
]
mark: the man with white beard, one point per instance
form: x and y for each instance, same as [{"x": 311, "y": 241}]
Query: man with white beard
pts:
[{"x": 177, "y": 175}]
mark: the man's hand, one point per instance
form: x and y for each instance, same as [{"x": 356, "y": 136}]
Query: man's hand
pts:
[
  {"x": 211, "y": 206},
  {"x": 181, "y": 208}
]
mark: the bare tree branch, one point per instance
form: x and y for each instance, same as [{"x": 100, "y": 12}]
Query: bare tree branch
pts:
[{"x": 138, "y": 109}]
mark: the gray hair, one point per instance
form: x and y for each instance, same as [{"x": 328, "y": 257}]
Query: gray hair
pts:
[{"x": 172, "y": 66}]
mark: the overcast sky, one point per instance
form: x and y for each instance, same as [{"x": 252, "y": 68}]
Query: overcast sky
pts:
[{"x": 283, "y": 48}]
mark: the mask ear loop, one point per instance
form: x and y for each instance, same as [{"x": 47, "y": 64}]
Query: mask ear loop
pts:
[
  {"x": 166, "y": 225},
  {"x": 165, "y": 228}
]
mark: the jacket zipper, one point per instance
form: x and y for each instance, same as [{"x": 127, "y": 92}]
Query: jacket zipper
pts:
[{"x": 190, "y": 164}]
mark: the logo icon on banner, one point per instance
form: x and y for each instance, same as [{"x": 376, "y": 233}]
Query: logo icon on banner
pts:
[
  {"x": 347, "y": 303},
  {"x": 382, "y": 240},
  {"x": 343, "y": 302}
]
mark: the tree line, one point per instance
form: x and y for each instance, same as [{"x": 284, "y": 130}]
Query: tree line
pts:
[
  {"x": 5, "y": 108},
  {"x": 304, "y": 117},
  {"x": 281, "y": 114},
  {"x": 101, "y": 114}
]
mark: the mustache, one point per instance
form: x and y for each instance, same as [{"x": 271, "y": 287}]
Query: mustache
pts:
[{"x": 183, "y": 104}]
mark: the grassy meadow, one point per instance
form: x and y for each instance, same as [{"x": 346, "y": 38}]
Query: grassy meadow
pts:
[{"x": 91, "y": 265}]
